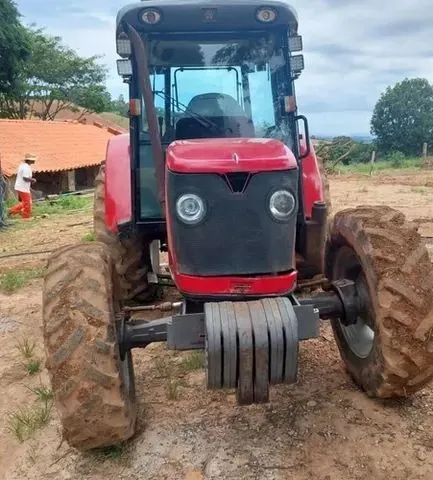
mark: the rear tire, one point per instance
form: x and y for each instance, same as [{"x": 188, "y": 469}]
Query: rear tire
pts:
[
  {"x": 93, "y": 389},
  {"x": 130, "y": 255},
  {"x": 389, "y": 351}
]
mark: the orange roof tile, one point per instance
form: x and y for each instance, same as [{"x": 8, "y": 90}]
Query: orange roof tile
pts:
[{"x": 58, "y": 145}]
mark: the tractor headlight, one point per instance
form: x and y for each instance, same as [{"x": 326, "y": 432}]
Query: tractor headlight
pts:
[
  {"x": 282, "y": 204},
  {"x": 190, "y": 209}
]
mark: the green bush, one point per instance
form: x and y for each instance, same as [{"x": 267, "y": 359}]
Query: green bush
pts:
[
  {"x": 361, "y": 153},
  {"x": 396, "y": 159}
]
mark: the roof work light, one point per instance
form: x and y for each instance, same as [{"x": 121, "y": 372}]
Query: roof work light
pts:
[
  {"x": 151, "y": 16},
  {"x": 124, "y": 67},
  {"x": 295, "y": 43},
  {"x": 266, "y": 15},
  {"x": 124, "y": 48},
  {"x": 297, "y": 63}
]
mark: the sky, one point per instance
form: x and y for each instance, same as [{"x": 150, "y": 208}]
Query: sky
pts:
[{"x": 353, "y": 50}]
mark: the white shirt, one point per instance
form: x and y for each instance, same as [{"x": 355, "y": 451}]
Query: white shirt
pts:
[{"x": 24, "y": 171}]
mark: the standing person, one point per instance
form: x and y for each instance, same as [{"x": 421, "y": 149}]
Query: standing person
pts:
[{"x": 22, "y": 186}]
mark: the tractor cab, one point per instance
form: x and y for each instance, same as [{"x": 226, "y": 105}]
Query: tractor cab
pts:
[{"x": 216, "y": 70}]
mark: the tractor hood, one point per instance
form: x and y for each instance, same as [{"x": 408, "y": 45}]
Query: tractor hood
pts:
[{"x": 224, "y": 155}]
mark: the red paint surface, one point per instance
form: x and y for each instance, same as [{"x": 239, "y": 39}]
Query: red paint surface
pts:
[
  {"x": 312, "y": 181},
  {"x": 118, "y": 207},
  {"x": 223, "y": 155},
  {"x": 236, "y": 286}
]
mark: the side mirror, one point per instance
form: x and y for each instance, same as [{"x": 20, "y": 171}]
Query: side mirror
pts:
[{"x": 304, "y": 152}]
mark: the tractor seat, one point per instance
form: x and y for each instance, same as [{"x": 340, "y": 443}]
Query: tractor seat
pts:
[{"x": 225, "y": 116}]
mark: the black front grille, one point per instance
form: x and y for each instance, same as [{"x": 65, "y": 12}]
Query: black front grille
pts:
[
  {"x": 238, "y": 235},
  {"x": 237, "y": 181}
]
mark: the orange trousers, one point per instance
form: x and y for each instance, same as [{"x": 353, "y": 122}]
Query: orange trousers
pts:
[{"x": 24, "y": 208}]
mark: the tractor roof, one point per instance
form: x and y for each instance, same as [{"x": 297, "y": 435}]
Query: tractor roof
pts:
[{"x": 207, "y": 15}]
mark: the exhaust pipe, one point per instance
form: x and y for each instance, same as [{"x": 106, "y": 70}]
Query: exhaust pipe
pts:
[{"x": 142, "y": 64}]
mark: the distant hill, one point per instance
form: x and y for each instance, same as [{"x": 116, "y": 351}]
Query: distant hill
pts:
[
  {"x": 363, "y": 138},
  {"x": 357, "y": 137}
]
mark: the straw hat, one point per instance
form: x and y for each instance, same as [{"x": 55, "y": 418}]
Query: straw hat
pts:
[{"x": 29, "y": 157}]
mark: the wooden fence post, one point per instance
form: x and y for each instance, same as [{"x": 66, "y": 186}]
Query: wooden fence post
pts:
[
  {"x": 372, "y": 161},
  {"x": 425, "y": 152},
  {"x": 71, "y": 180},
  {"x": 3, "y": 187},
  {"x": 427, "y": 161}
]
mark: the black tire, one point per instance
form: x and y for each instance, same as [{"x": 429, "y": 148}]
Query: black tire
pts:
[
  {"x": 131, "y": 255},
  {"x": 386, "y": 256},
  {"x": 93, "y": 390}
]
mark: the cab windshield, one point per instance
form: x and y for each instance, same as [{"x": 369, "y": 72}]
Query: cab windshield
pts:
[{"x": 219, "y": 87}]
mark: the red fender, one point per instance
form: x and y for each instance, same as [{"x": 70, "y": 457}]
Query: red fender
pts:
[
  {"x": 118, "y": 197},
  {"x": 312, "y": 181}
]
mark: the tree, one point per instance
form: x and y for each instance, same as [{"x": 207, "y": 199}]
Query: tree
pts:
[
  {"x": 56, "y": 78},
  {"x": 120, "y": 106},
  {"x": 403, "y": 117},
  {"x": 14, "y": 46}
]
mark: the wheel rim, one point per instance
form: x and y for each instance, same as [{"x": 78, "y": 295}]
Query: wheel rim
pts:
[
  {"x": 359, "y": 336},
  {"x": 126, "y": 366},
  {"x": 127, "y": 369}
]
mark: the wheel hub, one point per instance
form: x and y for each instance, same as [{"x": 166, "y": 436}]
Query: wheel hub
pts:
[{"x": 357, "y": 324}]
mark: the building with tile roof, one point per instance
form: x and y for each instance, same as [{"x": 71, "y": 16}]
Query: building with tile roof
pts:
[{"x": 69, "y": 153}]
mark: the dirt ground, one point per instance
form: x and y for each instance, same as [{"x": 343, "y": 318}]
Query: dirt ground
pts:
[{"x": 323, "y": 428}]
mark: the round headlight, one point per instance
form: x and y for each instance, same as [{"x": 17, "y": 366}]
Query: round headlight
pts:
[
  {"x": 190, "y": 209},
  {"x": 266, "y": 15},
  {"x": 151, "y": 16},
  {"x": 282, "y": 204}
]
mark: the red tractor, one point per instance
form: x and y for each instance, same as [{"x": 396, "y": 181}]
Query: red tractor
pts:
[{"x": 216, "y": 172}]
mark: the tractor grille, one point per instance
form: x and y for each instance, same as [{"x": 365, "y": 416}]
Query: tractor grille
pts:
[{"x": 238, "y": 235}]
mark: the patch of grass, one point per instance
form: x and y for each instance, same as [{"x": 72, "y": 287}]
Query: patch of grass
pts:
[
  {"x": 172, "y": 389},
  {"x": 43, "y": 393},
  {"x": 115, "y": 452},
  {"x": 33, "y": 366},
  {"x": 24, "y": 422},
  {"x": 194, "y": 361},
  {"x": 89, "y": 237},
  {"x": 26, "y": 347},
  {"x": 10, "y": 202},
  {"x": 15, "y": 279},
  {"x": 63, "y": 204},
  {"x": 382, "y": 166}
]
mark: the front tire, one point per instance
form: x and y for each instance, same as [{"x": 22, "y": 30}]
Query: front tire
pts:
[
  {"x": 389, "y": 351},
  {"x": 93, "y": 389},
  {"x": 130, "y": 255}
]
